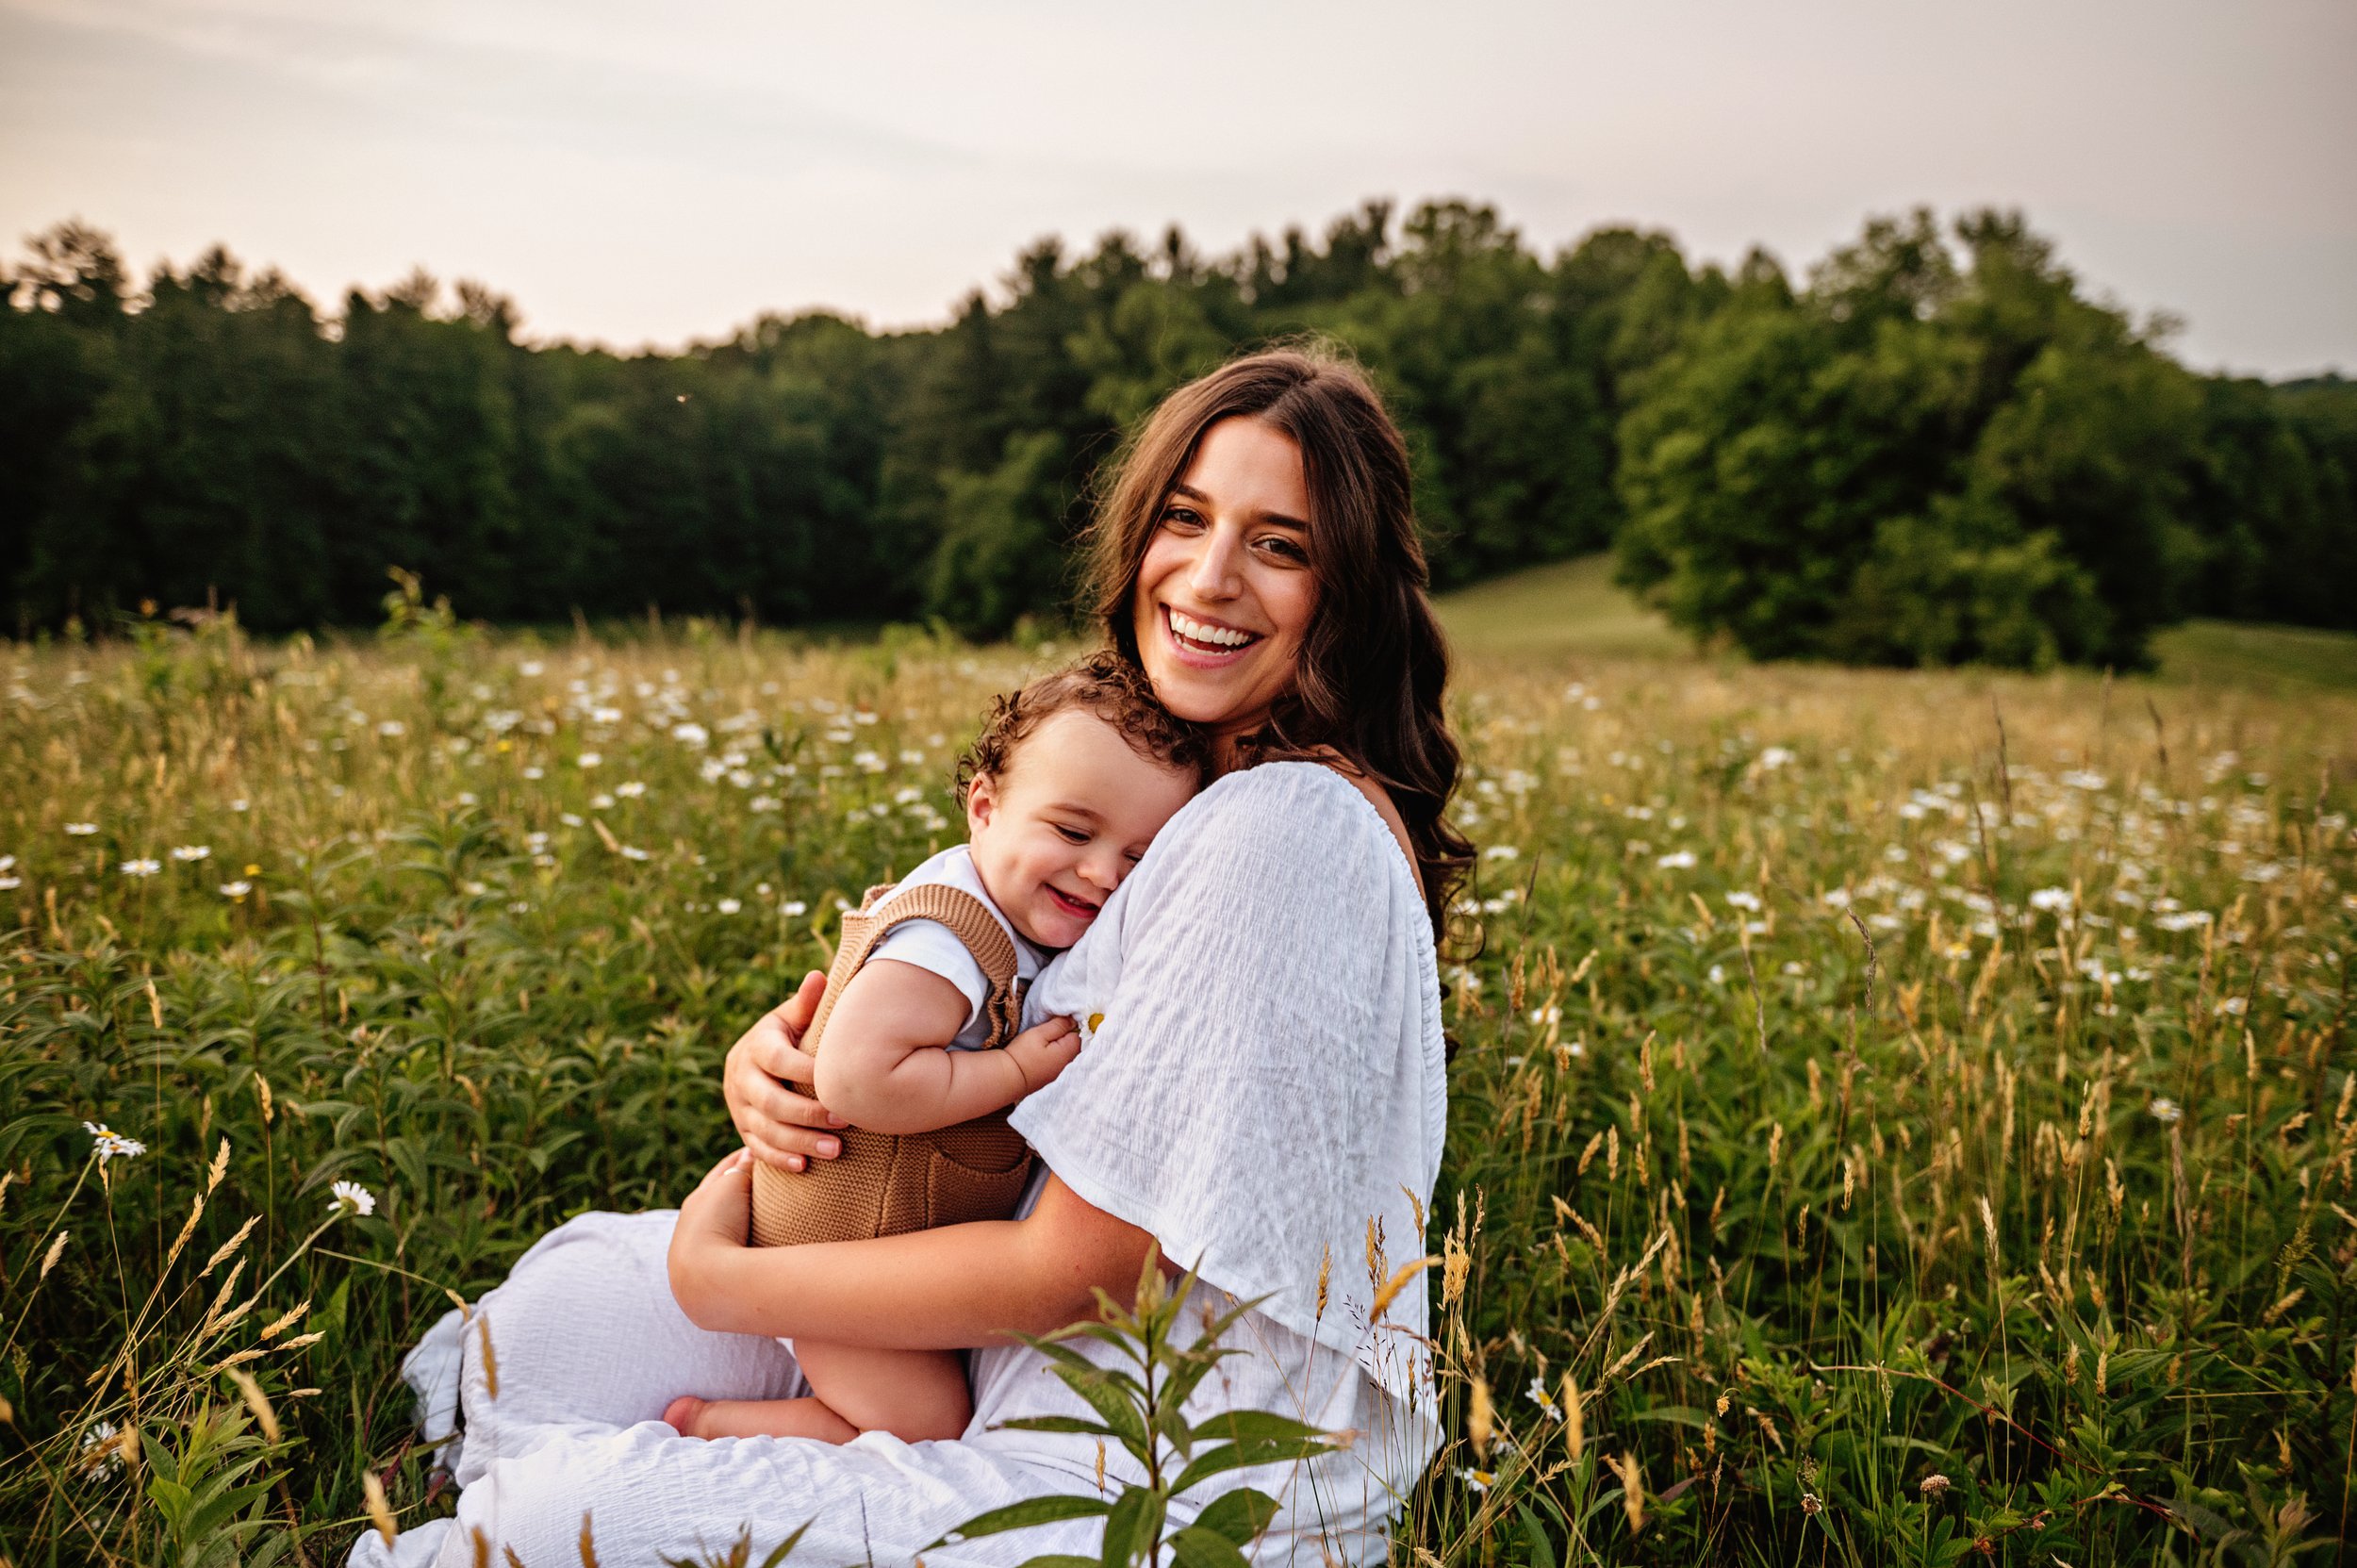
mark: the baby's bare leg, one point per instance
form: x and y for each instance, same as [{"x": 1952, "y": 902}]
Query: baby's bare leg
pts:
[
  {"x": 693, "y": 1417},
  {"x": 913, "y": 1395}
]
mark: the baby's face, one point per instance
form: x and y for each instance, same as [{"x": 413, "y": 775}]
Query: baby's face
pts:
[{"x": 1057, "y": 829}]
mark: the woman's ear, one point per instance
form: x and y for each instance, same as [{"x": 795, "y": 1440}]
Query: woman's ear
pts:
[{"x": 981, "y": 803}]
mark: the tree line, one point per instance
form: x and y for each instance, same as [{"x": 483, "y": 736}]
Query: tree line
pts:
[{"x": 1937, "y": 447}]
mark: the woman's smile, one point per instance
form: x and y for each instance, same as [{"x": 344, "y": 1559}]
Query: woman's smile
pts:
[{"x": 1206, "y": 643}]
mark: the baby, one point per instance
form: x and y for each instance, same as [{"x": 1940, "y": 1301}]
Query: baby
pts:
[{"x": 1070, "y": 779}]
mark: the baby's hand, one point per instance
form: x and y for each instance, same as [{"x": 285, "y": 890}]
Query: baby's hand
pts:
[{"x": 1043, "y": 1050}]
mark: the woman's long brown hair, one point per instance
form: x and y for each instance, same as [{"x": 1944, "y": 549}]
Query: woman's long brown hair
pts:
[{"x": 1373, "y": 664}]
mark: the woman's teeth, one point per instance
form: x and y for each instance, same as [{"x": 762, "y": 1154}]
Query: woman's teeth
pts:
[{"x": 1213, "y": 637}]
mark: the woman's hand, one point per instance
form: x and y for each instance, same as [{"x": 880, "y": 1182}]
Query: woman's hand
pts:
[
  {"x": 781, "y": 1126},
  {"x": 713, "y": 1225}
]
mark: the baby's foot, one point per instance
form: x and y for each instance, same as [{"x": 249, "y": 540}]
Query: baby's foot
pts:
[{"x": 683, "y": 1414}]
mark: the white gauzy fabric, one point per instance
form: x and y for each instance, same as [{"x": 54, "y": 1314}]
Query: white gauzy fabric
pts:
[
  {"x": 1270, "y": 1040},
  {"x": 930, "y": 945},
  {"x": 1266, "y": 1092}
]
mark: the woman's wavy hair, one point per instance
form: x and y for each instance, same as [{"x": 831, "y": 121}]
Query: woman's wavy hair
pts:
[{"x": 1373, "y": 664}]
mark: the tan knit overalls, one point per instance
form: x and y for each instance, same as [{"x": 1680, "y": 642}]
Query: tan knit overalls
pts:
[{"x": 885, "y": 1183}]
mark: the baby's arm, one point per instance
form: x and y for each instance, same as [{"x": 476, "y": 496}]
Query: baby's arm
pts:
[{"x": 884, "y": 1064}]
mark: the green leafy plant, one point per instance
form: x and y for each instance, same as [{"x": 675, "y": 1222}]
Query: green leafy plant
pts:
[{"x": 1140, "y": 1402}]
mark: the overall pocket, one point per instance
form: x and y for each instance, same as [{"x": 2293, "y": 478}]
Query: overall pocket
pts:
[{"x": 956, "y": 1193}]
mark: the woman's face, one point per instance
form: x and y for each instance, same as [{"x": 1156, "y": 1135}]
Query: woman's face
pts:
[{"x": 1225, "y": 592}]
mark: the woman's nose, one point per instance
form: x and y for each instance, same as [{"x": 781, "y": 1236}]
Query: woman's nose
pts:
[{"x": 1216, "y": 574}]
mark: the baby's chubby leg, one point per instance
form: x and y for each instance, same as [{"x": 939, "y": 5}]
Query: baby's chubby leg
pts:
[{"x": 913, "y": 1395}]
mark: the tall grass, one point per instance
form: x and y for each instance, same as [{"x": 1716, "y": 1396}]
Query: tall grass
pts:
[{"x": 1899, "y": 1117}]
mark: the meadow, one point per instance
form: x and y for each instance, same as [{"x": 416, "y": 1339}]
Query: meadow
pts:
[{"x": 1896, "y": 1118}]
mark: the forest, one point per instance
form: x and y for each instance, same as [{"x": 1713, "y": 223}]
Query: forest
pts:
[{"x": 1938, "y": 446}]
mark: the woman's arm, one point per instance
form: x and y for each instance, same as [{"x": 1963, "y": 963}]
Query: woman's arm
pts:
[
  {"x": 954, "y": 1288},
  {"x": 887, "y": 1068}
]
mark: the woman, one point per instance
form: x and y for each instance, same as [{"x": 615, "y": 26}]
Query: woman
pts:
[{"x": 1264, "y": 1100}]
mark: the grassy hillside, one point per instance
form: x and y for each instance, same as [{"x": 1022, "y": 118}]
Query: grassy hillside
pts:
[{"x": 1574, "y": 609}]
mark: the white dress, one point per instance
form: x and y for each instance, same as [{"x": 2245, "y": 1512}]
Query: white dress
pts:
[{"x": 1264, "y": 1094}]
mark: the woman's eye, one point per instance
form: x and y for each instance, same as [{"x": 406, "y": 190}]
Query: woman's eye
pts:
[
  {"x": 1286, "y": 549},
  {"x": 1181, "y": 517},
  {"x": 1071, "y": 835}
]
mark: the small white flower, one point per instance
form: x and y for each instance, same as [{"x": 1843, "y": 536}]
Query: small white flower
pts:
[
  {"x": 630, "y": 791},
  {"x": 1500, "y": 851},
  {"x": 1717, "y": 974},
  {"x": 352, "y": 1197},
  {"x": 108, "y": 1145},
  {"x": 187, "y": 853},
  {"x": 691, "y": 734},
  {"x": 238, "y": 889},
  {"x": 99, "y": 1455},
  {"x": 7, "y": 863},
  {"x": 2052, "y": 899},
  {"x": 793, "y": 907},
  {"x": 80, "y": 829},
  {"x": 1774, "y": 758},
  {"x": 530, "y": 667},
  {"x": 1743, "y": 899},
  {"x": 1676, "y": 860},
  {"x": 728, "y": 907},
  {"x": 144, "y": 866},
  {"x": 1477, "y": 1479},
  {"x": 1536, "y": 1395},
  {"x": 241, "y": 805},
  {"x": 10, "y": 884},
  {"x": 631, "y": 851},
  {"x": 2167, "y": 1112},
  {"x": 535, "y": 772},
  {"x": 600, "y": 802},
  {"x": 588, "y": 759},
  {"x": 392, "y": 727}
]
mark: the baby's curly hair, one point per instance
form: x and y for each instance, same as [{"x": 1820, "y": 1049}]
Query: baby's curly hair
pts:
[{"x": 1105, "y": 683}]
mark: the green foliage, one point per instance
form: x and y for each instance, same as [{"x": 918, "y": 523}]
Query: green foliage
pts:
[
  {"x": 1139, "y": 1406},
  {"x": 226, "y": 442},
  {"x": 998, "y": 556},
  {"x": 1938, "y": 452},
  {"x": 1938, "y": 457}
]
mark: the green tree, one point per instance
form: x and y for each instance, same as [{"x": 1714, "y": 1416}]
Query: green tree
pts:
[
  {"x": 999, "y": 559},
  {"x": 1924, "y": 458}
]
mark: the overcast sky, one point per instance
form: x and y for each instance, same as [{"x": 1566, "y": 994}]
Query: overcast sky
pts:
[{"x": 638, "y": 174}]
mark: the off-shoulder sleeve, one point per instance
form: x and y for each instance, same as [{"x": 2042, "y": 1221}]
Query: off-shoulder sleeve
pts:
[{"x": 1263, "y": 1091}]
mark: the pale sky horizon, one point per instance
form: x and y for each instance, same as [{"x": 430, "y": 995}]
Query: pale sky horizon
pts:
[{"x": 635, "y": 177}]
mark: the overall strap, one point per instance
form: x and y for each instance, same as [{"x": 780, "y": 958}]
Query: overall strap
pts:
[{"x": 967, "y": 918}]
